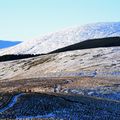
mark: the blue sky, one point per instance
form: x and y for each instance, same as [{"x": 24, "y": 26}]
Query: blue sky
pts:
[{"x": 28, "y": 19}]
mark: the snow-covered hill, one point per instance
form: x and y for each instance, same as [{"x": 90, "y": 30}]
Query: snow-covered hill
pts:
[
  {"x": 72, "y": 63},
  {"x": 56, "y": 40}
]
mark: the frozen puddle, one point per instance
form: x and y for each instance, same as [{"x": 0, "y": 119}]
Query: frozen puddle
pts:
[{"x": 12, "y": 102}]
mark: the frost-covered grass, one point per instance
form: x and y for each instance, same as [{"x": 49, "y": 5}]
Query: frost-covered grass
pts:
[{"x": 64, "y": 106}]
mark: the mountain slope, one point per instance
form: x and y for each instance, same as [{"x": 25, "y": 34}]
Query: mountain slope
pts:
[
  {"x": 99, "y": 66},
  {"x": 73, "y": 63},
  {"x": 56, "y": 40},
  {"x": 5, "y": 44},
  {"x": 92, "y": 43}
]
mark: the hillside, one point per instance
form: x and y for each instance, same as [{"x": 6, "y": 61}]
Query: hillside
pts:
[
  {"x": 92, "y": 43},
  {"x": 52, "y": 41},
  {"x": 104, "y": 60}
]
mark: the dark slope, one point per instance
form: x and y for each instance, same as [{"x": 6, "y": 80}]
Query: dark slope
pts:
[
  {"x": 5, "y": 44},
  {"x": 15, "y": 57},
  {"x": 93, "y": 43}
]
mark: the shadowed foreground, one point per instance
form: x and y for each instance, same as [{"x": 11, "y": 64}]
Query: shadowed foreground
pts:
[{"x": 65, "y": 106}]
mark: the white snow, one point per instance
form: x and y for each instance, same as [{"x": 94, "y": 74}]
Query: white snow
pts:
[{"x": 53, "y": 41}]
